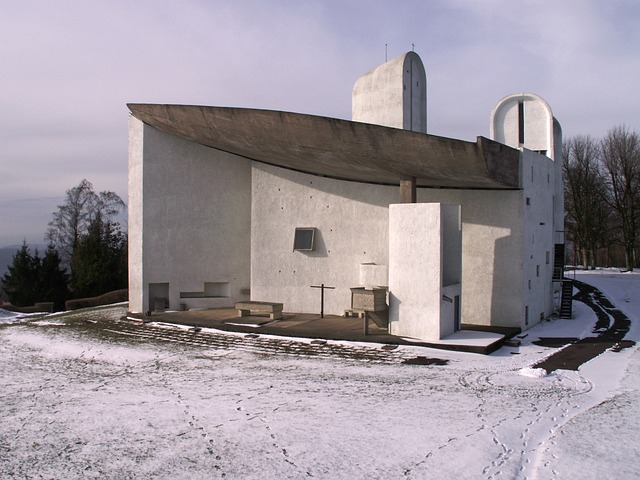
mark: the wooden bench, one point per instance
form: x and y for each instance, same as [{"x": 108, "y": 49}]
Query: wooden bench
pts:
[{"x": 273, "y": 309}]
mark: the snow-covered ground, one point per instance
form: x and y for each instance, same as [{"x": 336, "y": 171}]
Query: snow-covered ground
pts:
[{"x": 80, "y": 398}]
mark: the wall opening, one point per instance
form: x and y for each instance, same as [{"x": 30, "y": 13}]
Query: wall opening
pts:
[
  {"x": 521, "y": 122},
  {"x": 451, "y": 245},
  {"x": 304, "y": 239},
  {"x": 211, "y": 290},
  {"x": 158, "y": 296}
]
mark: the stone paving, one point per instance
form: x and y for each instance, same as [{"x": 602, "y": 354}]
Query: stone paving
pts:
[{"x": 257, "y": 343}]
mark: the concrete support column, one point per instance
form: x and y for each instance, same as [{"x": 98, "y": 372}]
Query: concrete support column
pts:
[{"x": 408, "y": 190}]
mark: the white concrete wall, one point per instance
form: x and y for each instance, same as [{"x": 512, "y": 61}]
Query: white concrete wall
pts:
[
  {"x": 352, "y": 228},
  {"x": 539, "y": 236},
  {"x": 135, "y": 217},
  {"x": 415, "y": 94},
  {"x": 393, "y": 94},
  {"x": 559, "y": 183},
  {"x": 544, "y": 189},
  {"x": 352, "y": 222},
  {"x": 415, "y": 270},
  {"x": 492, "y": 250},
  {"x": 372, "y": 275},
  {"x": 424, "y": 242},
  {"x": 194, "y": 224}
]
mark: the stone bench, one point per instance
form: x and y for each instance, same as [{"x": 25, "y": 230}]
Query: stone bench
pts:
[
  {"x": 354, "y": 312},
  {"x": 273, "y": 309}
]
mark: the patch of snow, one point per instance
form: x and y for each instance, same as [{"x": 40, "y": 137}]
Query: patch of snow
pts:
[
  {"x": 534, "y": 372},
  {"x": 9, "y": 317},
  {"x": 48, "y": 323},
  {"x": 93, "y": 401}
]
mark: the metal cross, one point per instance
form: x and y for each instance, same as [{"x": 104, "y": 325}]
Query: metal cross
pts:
[{"x": 322, "y": 289}]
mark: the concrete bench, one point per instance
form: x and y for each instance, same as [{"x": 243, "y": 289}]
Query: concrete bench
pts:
[{"x": 273, "y": 309}]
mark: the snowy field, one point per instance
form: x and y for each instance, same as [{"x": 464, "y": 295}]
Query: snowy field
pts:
[{"x": 83, "y": 396}]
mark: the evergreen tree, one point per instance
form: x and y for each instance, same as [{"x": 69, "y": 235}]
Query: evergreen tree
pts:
[
  {"x": 32, "y": 279},
  {"x": 99, "y": 262},
  {"x": 53, "y": 279},
  {"x": 21, "y": 281}
]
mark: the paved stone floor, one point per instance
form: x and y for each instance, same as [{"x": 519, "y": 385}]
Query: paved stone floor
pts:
[
  {"x": 256, "y": 343},
  {"x": 331, "y": 327}
]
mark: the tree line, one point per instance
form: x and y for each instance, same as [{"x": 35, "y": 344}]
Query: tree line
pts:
[
  {"x": 86, "y": 254},
  {"x": 602, "y": 197}
]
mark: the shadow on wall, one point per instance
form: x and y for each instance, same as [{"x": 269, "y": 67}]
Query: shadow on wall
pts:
[
  {"x": 394, "y": 313},
  {"x": 502, "y": 290},
  {"x": 356, "y": 191}
]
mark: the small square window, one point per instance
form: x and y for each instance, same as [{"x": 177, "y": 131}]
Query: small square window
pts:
[{"x": 304, "y": 239}]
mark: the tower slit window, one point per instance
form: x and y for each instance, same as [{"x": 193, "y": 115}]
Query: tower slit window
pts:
[{"x": 521, "y": 122}]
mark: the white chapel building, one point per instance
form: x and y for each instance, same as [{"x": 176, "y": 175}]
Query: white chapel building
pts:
[{"x": 234, "y": 204}]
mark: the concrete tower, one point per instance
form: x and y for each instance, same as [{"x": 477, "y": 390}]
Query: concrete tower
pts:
[
  {"x": 525, "y": 120},
  {"x": 393, "y": 94}
]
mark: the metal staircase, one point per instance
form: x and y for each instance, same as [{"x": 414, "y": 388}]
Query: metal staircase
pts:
[
  {"x": 558, "y": 262},
  {"x": 566, "y": 290},
  {"x": 566, "y": 300}
]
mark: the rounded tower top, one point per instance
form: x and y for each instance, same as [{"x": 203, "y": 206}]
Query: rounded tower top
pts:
[
  {"x": 393, "y": 94},
  {"x": 526, "y": 120}
]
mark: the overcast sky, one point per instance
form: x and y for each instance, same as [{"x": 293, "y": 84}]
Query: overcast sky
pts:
[{"x": 68, "y": 68}]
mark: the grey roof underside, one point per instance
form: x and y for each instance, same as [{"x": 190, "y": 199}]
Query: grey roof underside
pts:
[{"x": 339, "y": 149}]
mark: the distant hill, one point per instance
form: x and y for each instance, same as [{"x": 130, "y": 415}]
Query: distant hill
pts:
[{"x": 7, "y": 253}]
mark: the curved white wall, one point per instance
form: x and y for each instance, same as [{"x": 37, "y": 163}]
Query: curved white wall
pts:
[
  {"x": 352, "y": 228},
  {"x": 194, "y": 224},
  {"x": 353, "y": 225}
]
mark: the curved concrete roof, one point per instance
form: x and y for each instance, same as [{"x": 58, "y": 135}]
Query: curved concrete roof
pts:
[{"x": 339, "y": 148}]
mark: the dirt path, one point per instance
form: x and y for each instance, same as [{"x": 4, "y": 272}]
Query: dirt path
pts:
[{"x": 611, "y": 328}]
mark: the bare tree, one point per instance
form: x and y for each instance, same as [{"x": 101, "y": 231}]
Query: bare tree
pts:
[
  {"x": 621, "y": 161},
  {"x": 73, "y": 218},
  {"x": 585, "y": 191}
]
